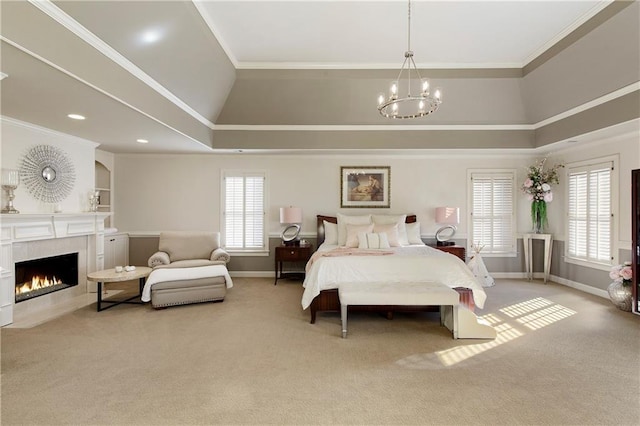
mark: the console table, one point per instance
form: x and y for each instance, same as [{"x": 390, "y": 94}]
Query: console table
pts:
[{"x": 527, "y": 240}]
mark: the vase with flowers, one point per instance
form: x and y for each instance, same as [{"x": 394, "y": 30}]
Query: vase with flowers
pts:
[
  {"x": 537, "y": 187},
  {"x": 620, "y": 289}
]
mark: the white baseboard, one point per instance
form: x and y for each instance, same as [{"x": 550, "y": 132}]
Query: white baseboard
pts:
[
  {"x": 506, "y": 275},
  {"x": 580, "y": 286},
  {"x": 509, "y": 275},
  {"x": 555, "y": 279},
  {"x": 252, "y": 274}
]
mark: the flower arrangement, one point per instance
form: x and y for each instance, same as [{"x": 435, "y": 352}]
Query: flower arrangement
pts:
[
  {"x": 622, "y": 274},
  {"x": 537, "y": 186}
]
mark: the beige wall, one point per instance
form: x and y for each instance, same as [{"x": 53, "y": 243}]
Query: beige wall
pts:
[
  {"x": 19, "y": 137},
  {"x": 162, "y": 192},
  {"x": 159, "y": 192},
  {"x": 626, "y": 149}
]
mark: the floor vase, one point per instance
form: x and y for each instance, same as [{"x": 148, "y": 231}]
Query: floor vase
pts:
[{"x": 620, "y": 295}]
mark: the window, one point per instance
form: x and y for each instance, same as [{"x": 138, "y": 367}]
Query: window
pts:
[
  {"x": 589, "y": 213},
  {"x": 244, "y": 211},
  {"x": 492, "y": 212}
]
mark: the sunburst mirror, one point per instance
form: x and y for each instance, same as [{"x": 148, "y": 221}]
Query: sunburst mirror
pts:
[{"x": 47, "y": 173}]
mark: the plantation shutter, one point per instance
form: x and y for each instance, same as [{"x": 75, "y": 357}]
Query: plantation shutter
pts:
[
  {"x": 492, "y": 214},
  {"x": 589, "y": 213},
  {"x": 244, "y": 226}
]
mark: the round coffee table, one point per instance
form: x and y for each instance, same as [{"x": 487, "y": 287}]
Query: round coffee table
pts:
[{"x": 111, "y": 276}]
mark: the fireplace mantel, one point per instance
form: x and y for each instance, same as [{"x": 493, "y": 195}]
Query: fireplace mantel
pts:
[{"x": 24, "y": 228}]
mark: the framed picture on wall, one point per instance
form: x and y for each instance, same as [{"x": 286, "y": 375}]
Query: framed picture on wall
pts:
[{"x": 365, "y": 186}]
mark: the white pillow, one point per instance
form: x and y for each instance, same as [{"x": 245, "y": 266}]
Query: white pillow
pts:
[
  {"x": 391, "y": 230},
  {"x": 353, "y": 231},
  {"x": 385, "y": 219},
  {"x": 330, "y": 233},
  {"x": 344, "y": 220},
  {"x": 413, "y": 233},
  {"x": 373, "y": 241}
]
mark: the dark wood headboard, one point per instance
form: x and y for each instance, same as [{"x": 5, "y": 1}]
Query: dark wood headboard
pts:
[{"x": 411, "y": 218}]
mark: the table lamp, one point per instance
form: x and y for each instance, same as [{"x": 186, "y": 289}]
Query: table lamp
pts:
[
  {"x": 449, "y": 217},
  {"x": 292, "y": 218}
]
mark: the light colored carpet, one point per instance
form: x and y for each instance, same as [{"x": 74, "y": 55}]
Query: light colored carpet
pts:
[{"x": 562, "y": 357}]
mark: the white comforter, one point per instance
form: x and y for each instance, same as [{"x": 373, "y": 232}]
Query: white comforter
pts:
[
  {"x": 176, "y": 274},
  {"x": 407, "y": 264}
]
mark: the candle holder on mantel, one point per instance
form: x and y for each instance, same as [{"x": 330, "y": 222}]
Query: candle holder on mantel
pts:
[
  {"x": 94, "y": 201},
  {"x": 10, "y": 181}
]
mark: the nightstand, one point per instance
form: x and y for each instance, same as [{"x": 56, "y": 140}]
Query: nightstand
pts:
[
  {"x": 454, "y": 250},
  {"x": 299, "y": 254}
]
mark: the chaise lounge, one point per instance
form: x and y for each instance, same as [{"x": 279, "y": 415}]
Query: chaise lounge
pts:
[{"x": 189, "y": 267}]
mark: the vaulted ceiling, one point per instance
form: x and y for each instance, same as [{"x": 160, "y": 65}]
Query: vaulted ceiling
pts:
[{"x": 276, "y": 76}]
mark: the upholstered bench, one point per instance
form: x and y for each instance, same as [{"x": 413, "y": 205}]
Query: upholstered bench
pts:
[
  {"x": 458, "y": 319},
  {"x": 413, "y": 294},
  {"x": 190, "y": 267}
]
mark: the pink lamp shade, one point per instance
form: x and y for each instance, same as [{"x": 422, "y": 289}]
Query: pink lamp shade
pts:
[
  {"x": 448, "y": 215},
  {"x": 290, "y": 215}
]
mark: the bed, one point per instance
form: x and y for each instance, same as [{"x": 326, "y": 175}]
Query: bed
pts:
[{"x": 409, "y": 263}]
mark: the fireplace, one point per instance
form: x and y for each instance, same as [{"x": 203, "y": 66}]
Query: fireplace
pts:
[{"x": 38, "y": 277}]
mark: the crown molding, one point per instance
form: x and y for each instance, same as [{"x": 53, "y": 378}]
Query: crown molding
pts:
[
  {"x": 81, "y": 80},
  {"x": 564, "y": 33},
  {"x": 58, "y": 15},
  {"x": 368, "y": 127},
  {"x": 633, "y": 87},
  {"x": 370, "y": 66},
  {"x": 44, "y": 130},
  {"x": 207, "y": 19}
]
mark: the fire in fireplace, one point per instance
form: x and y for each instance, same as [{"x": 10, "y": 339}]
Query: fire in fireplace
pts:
[{"x": 45, "y": 275}]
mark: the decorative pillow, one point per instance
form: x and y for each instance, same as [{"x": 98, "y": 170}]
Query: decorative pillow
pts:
[
  {"x": 413, "y": 233},
  {"x": 385, "y": 219},
  {"x": 344, "y": 220},
  {"x": 373, "y": 241},
  {"x": 353, "y": 231},
  {"x": 391, "y": 230},
  {"x": 330, "y": 233}
]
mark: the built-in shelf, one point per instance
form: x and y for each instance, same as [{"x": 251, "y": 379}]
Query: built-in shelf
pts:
[{"x": 103, "y": 184}]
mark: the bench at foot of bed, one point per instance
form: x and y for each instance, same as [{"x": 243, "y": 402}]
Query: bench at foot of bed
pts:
[
  {"x": 329, "y": 301},
  {"x": 461, "y": 321}
]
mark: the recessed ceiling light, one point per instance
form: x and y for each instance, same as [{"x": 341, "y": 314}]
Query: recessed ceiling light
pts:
[
  {"x": 76, "y": 116},
  {"x": 151, "y": 36},
  {"x": 142, "y": 141}
]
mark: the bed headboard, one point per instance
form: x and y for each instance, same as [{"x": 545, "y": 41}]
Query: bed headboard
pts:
[{"x": 411, "y": 218}]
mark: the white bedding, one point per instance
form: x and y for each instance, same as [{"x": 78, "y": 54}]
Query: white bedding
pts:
[
  {"x": 176, "y": 274},
  {"x": 408, "y": 264}
]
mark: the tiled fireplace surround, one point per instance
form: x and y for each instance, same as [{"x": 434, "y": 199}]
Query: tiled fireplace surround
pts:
[{"x": 32, "y": 236}]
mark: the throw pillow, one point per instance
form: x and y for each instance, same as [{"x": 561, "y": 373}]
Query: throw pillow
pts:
[
  {"x": 353, "y": 231},
  {"x": 330, "y": 233},
  {"x": 344, "y": 220},
  {"x": 413, "y": 233},
  {"x": 385, "y": 219},
  {"x": 391, "y": 230},
  {"x": 373, "y": 241}
]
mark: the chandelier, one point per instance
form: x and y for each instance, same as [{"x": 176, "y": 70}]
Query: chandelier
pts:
[{"x": 410, "y": 106}]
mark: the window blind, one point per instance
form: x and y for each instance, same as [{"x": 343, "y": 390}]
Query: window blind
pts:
[
  {"x": 589, "y": 213},
  {"x": 492, "y": 212},
  {"x": 244, "y": 226}
]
